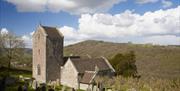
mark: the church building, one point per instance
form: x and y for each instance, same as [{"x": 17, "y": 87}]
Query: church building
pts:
[{"x": 49, "y": 64}]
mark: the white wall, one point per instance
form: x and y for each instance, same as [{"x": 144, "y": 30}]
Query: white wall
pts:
[
  {"x": 69, "y": 75},
  {"x": 39, "y": 57},
  {"x": 84, "y": 86}
]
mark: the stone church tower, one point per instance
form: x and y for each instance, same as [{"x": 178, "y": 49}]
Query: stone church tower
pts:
[{"x": 47, "y": 54}]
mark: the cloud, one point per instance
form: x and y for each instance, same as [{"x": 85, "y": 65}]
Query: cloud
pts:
[
  {"x": 27, "y": 40},
  {"x": 146, "y": 1},
  {"x": 32, "y": 33},
  {"x": 74, "y": 6},
  {"x": 71, "y": 6},
  {"x": 160, "y": 22},
  {"x": 166, "y": 3},
  {"x": 4, "y": 31},
  {"x": 159, "y": 27},
  {"x": 29, "y": 5},
  {"x": 72, "y": 35},
  {"x": 81, "y": 6},
  {"x": 162, "y": 40}
]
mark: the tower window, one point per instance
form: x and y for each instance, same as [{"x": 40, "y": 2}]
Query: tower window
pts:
[
  {"x": 39, "y": 51},
  {"x": 38, "y": 70},
  {"x": 38, "y": 36}
]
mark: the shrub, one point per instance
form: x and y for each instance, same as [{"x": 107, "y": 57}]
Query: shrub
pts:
[
  {"x": 120, "y": 83},
  {"x": 124, "y": 64}
]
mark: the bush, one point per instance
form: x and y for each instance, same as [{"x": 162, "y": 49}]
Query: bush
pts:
[
  {"x": 120, "y": 83},
  {"x": 124, "y": 64}
]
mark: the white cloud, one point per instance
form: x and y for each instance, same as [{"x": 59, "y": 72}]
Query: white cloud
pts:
[
  {"x": 4, "y": 31},
  {"x": 71, "y": 6},
  {"x": 129, "y": 23},
  {"x": 72, "y": 35},
  {"x": 159, "y": 27},
  {"x": 32, "y": 33},
  {"x": 29, "y": 5},
  {"x": 25, "y": 37},
  {"x": 27, "y": 40},
  {"x": 74, "y": 6},
  {"x": 166, "y": 3},
  {"x": 146, "y": 1},
  {"x": 162, "y": 40},
  {"x": 81, "y": 6}
]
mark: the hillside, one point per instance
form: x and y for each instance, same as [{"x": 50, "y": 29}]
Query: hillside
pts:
[{"x": 159, "y": 61}]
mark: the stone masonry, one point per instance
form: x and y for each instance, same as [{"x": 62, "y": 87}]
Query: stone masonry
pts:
[{"x": 47, "y": 54}]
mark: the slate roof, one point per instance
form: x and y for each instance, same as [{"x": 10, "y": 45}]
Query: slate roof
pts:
[
  {"x": 71, "y": 57},
  {"x": 52, "y": 32},
  {"x": 89, "y": 64},
  {"x": 87, "y": 78}
]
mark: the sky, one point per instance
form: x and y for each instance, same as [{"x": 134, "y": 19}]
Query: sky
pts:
[{"x": 137, "y": 21}]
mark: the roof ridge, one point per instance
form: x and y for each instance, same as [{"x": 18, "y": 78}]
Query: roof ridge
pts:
[
  {"x": 53, "y": 32},
  {"x": 90, "y": 71},
  {"x": 108, "y": 63}
]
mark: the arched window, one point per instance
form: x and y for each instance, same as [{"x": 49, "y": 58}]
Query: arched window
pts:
[{"x": 38, "y": 70}]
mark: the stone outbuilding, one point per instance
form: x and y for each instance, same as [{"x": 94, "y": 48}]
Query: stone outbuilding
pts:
[{"x": 79, "y": 73}]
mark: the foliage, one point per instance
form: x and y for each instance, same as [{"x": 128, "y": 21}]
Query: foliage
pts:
[
  {"x": 124, "y": 64},
  {"x": 14, "y": 87},
  {"x": 14, "y": 72},
  {"x": 120, "y": 83}
]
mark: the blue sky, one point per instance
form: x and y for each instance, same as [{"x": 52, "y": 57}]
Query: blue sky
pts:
[
  {"x": 26, "y": 22},
  {"x": 23, "y": 17}
]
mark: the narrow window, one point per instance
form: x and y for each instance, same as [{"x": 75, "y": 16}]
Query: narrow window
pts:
[
  {"x": 38, "y": 36},
  {"x": 38, "y": 70},
  {"x": 39, "y": 51}
]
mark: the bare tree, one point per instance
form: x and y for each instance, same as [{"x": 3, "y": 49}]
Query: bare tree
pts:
[{"x": 11, "y": 47}]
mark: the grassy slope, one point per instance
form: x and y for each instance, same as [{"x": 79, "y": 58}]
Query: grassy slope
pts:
[{"x": 159, "y": 61}]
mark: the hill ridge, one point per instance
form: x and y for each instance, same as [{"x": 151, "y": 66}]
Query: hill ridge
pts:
[{"x": 152, "y": 60}]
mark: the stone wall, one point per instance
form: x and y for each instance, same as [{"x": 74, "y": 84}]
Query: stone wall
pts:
[
  {"x": 48, "y": 54},
  {"x": 69, "y": 75},
  {"x": 88, "y": 87},
  {"x": 84, "y": 86},
  {"x": 54, "y": 58},
  {"x": 39, "y": 55}
]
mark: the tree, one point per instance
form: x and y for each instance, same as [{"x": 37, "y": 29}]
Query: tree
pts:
[
  {"x": 124, "y": 64},
  {"x": 11, "y": 47}
]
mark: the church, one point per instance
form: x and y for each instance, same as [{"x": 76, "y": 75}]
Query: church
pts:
[{"x": 49, "y": 63}]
